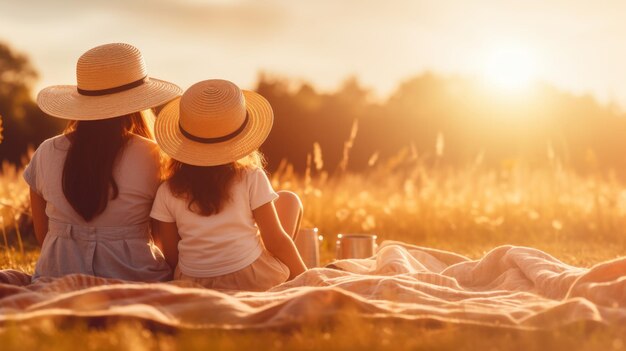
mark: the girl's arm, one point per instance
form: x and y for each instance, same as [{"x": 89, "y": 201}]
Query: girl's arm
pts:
[
  {"x": 166, "y": 237},
  {"x": 40, "y": 218},
  {"x": 276, "y": 239}
]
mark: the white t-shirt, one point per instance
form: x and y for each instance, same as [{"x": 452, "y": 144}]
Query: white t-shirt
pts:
[
  {"x": 136, "y": 173},
  {"x": 222, "y": 243}
]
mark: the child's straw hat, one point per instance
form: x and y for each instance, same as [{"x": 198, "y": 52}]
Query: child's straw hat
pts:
[
  {"x": 112, "y": 81},
  {"x": 213, "y": 123}
]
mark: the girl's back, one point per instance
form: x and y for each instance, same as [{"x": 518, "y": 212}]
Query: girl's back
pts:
[
  {"x": 224, "y": 242},
  {"x": 215, "y": 218}
]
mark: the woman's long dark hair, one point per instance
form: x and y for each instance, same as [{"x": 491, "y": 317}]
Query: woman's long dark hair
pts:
[
  {"x": 207, "y": 188},
  {"x": 88, "y": 182}
]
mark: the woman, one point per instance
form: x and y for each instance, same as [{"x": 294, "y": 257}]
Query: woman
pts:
[{"x": 93, "y": 186}]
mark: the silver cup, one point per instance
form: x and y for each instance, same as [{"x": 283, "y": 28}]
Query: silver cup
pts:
[
  {"x": 308, "y": 245},
  {"x": 356, "y": 245}
]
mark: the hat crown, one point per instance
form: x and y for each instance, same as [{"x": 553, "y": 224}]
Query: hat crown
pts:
[
  {"x": 110, "y": 66},
  {"x": 212, "y": 109}
]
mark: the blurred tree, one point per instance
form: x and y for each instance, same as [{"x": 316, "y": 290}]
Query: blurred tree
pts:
[
  {"x": 303, "y": 116},
  {"x": 1, "y": 135},
  {"x": 24, "y": 123},
  {"x": 472, "y": 118}
]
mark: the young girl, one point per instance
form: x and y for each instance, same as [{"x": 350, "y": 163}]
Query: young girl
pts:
[
  {"x": 218, "y": 219},
  {"x": 92, "y": 187}
]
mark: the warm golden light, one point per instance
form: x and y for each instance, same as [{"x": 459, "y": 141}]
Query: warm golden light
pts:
[{"x": 510, "y": 69}]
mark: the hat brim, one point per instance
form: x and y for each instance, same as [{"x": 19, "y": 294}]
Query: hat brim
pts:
[
  {"x": 177, "y": 146},
  {"x": 64, "y": 101}
]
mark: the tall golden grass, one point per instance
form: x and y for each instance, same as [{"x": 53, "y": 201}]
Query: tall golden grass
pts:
[
  {"x": 580, "y": 219},
  {"x": 14, "y": 219}
]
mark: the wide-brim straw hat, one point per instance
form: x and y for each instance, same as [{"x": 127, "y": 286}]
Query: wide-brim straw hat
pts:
[
  {"x": 213, "y": 123},
  {"x": 112, "y": 81}
]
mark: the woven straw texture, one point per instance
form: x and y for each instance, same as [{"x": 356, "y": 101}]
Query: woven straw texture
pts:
[
  {"x": 105, "y": 67},
  {"x": 213, "y": 109}
]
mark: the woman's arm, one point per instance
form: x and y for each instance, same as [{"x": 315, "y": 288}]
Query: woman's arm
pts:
[
  {"x": 166, "y": 237},
  {"x": 40, "y": 218},
  {"x": 276, "y": 239}
]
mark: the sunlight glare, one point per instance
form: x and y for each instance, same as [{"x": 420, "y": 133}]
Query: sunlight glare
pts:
[{"x": 510, "y": 69}]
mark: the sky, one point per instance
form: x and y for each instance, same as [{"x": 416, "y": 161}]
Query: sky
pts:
[{"x": 576, "y": 45}]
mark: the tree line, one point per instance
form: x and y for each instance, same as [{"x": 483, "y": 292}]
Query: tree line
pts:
[
  {"x": 463, "y": 117},
  {"x": 452, "y": 119}
]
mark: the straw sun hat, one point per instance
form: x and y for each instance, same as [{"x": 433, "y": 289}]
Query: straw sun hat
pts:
[
  {"x": 213, "y": 123},
  {"x": 112, "y": 81}
]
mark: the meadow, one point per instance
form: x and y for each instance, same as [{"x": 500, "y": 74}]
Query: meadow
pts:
[{"x": 580, "y": 219}]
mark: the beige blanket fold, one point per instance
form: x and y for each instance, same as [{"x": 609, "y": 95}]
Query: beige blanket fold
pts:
[{"x": 510, "y": 286}]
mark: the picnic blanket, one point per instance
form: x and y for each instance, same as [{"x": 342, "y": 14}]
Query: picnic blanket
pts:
[{"x": 510, "y": 286}]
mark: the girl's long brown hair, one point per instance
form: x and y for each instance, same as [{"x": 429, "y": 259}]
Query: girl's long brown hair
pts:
[
  {"x": 88, "y": 182},
  {"x": 207, "y": 188}
]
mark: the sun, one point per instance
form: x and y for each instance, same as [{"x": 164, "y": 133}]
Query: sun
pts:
[{"x": 510, "y": 69}]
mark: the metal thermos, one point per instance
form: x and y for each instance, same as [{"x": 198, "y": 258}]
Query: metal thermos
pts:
[
  {"x": 356, "y": 245},
  {"x": 308, "y": 245}
]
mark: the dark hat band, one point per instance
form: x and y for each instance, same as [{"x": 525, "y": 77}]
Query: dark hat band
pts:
[
  {"x": 113, "y": 90},
  {"x": 214, "y": 140}
]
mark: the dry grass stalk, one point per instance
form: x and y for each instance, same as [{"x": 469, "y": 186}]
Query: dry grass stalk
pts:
[{"x": 347, "y": 146}]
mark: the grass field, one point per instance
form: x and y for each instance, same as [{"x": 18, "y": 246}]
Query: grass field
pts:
[{"x": 579, "y": 219}]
